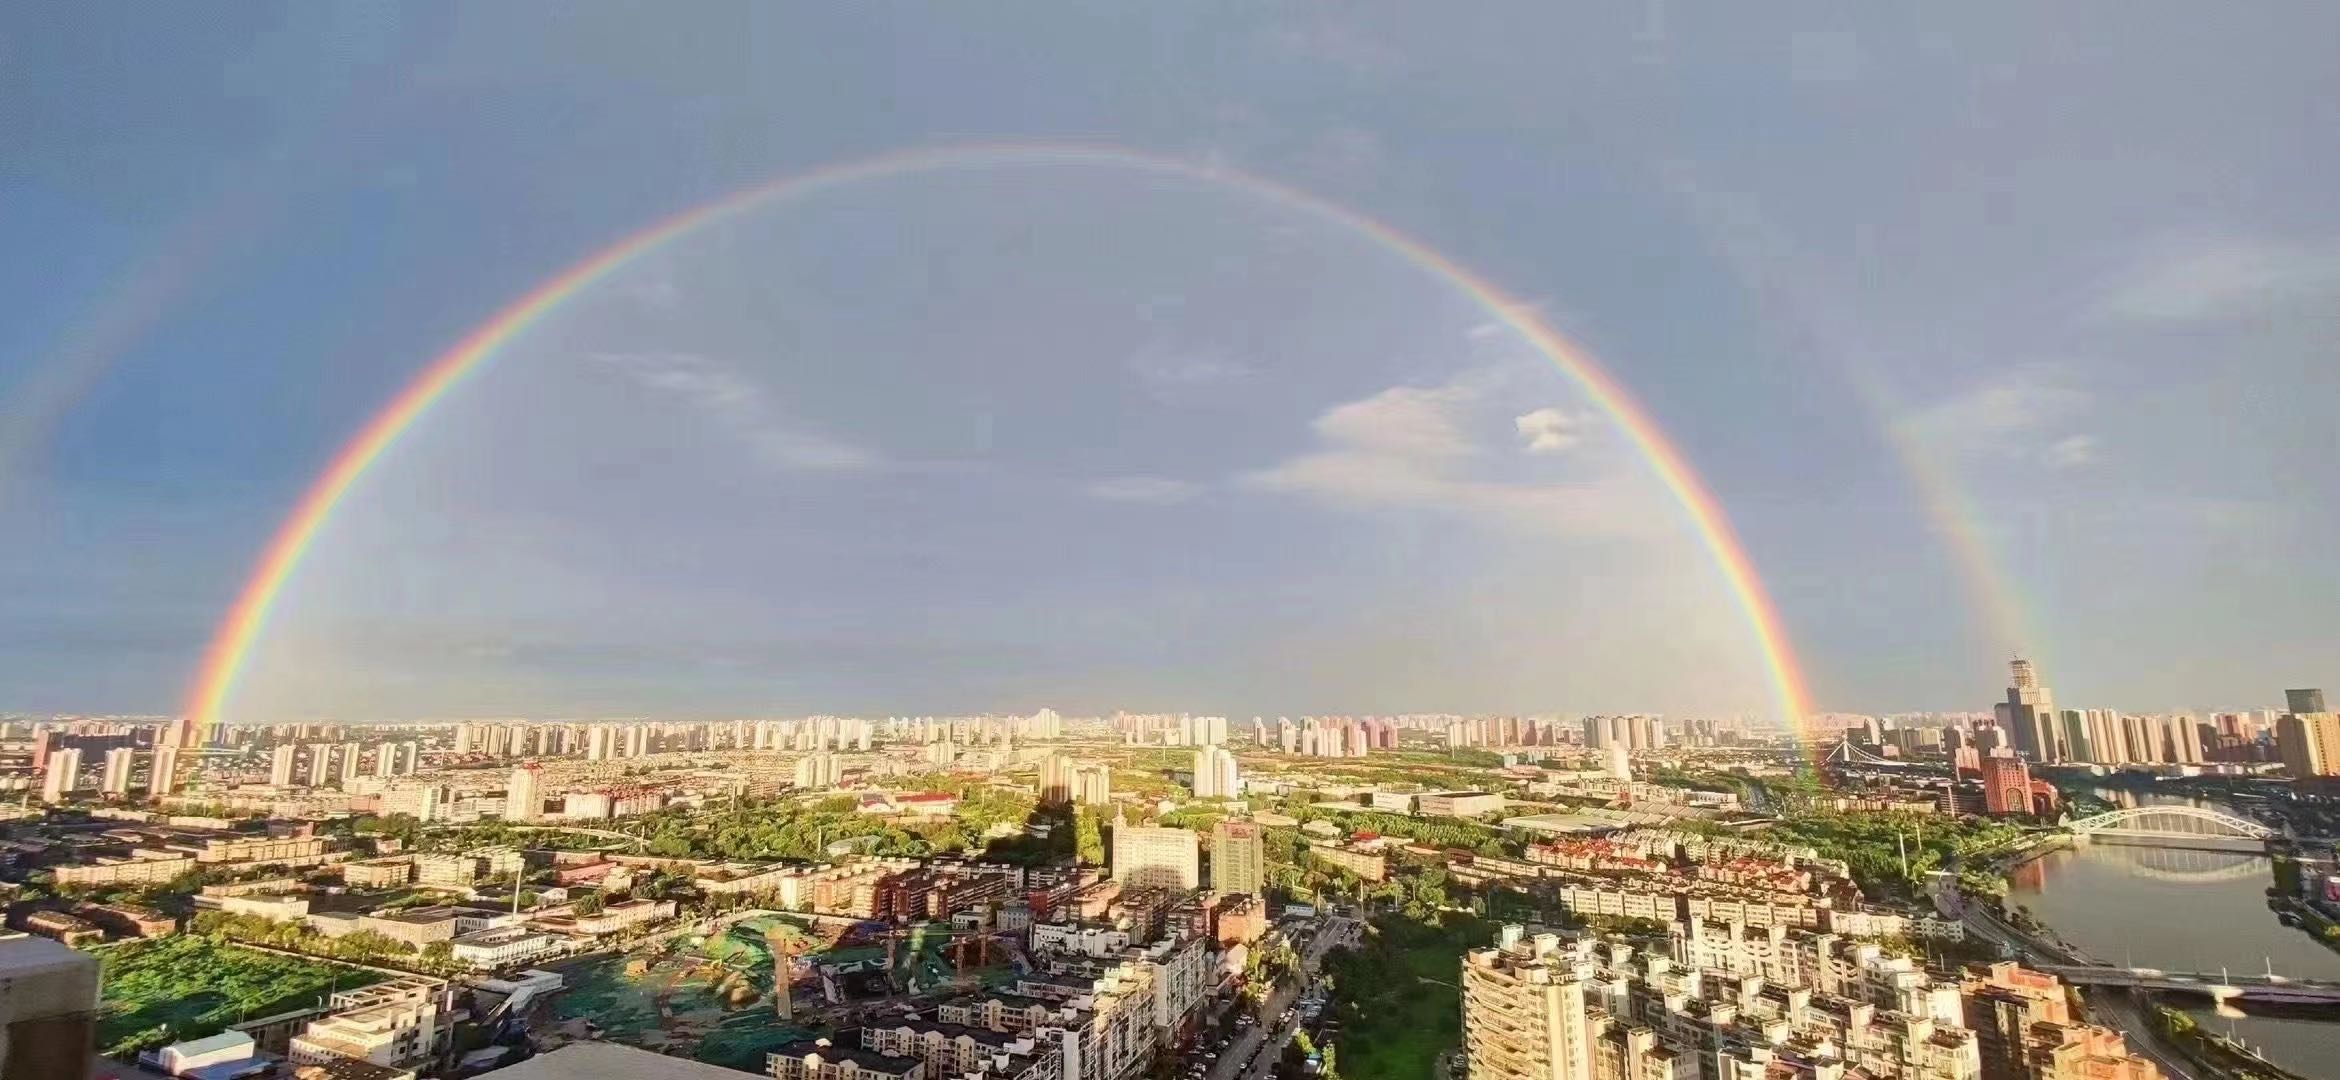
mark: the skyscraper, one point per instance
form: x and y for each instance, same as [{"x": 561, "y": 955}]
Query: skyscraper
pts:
[
  {"x": 1238, "y": 857},
  {"x": 2310, "y": 700},
  {"x": 280, "y": 765},
  {"x": 320, "y": 764},
  {"x": 1523, "y": 1011},
  {"x": 2028, "y": 716}
]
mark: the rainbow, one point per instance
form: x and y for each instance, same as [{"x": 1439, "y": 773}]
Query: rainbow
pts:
[
  {"x": 1768, "y": 263},
  {"x": 232, "y": 644}
]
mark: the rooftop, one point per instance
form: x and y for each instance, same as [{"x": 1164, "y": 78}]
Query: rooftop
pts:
[{"x": 610, "y": 1061}]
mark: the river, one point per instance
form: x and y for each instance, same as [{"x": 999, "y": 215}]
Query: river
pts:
[{"x": 2185, "y": 911}]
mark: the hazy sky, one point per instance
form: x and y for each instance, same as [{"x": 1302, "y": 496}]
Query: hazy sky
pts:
[{"x": 2004, "y": 327}]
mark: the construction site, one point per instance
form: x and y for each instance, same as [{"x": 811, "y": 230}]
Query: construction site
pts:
[{"x": 708, "y": 993}]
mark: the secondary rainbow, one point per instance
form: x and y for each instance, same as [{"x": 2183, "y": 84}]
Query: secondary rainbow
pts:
[{"x": 232, "y": 643}]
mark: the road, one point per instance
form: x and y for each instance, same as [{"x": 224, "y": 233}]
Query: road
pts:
[{"x": 1254, "y": 1055}]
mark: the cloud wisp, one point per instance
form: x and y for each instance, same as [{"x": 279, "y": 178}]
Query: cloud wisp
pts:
[
  {"x": 2220, "y": 279},
  {"x": 1436, "y": 448},
  {"x": 2025, "y": 416},
  {"x": 1155, "y": 490},
  {"x": 742, "y": 409}
]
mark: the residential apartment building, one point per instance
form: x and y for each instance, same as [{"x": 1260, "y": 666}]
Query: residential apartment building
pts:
[
  {"x": 1145, "y": 856},
  {"x": 1524, "y": 1011}
]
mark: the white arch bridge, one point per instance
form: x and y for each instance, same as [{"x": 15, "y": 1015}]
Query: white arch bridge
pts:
[{"x": 2175, "y": 826}]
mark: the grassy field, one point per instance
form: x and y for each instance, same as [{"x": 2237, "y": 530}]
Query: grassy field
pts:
[
  {"x": 189, "y": 985},
  {"x": 1399, "y": 1003}
]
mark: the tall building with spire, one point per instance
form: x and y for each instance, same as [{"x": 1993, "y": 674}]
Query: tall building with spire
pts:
[{"x": 2028, "y": 716}]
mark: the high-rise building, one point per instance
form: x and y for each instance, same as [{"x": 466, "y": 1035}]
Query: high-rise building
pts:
[
  {"x": 280, "y": 765},
  {"x": 164, "y": 778},
  {"x": 2309, "y": 743},
  {"x": 598, "y": 740},
  {"x": 1056, "y": 779},
  {"x": 320, "y": 764},
  {"x": 1092, "y": 785},
  {"x": 117, "y": 776},
  {"x": 1239, "y": 857},
  {"x": 524, "y": 795},
  {"x": 1524, "y": 1011},
  {"x": 2078, "y": 745},
  {"x": 817, "y": 772},
  {"x": 350, "y": 754},
  {"x": 2028, "y": 716},
  {"x": 2006, "y": 786},
  {"x": 2310, "y": 700},
  {"x": 1150, "y": 857},
  {"x": 63, "y": 774},
  {"x": 1215, "y": 774},
  {"x": 2024, "y": 1030}
]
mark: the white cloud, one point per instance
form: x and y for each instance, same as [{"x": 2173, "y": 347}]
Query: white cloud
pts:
[
  {"x": 1160, "y": 490},
  {"x": 2026, "y": 415},
  {"x": 1550, "y": 430},
  {"x": 2224, "y": 278},
  {"x": 1419, "y": 447},
  {"x": 741, "y": 409},
  {"x": 1404, "y": 421},
  {"x": 2022, "y": 401},
  {"x": 2070, "y": 452}
]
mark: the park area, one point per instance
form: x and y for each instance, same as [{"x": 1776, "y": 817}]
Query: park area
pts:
[
  {"x": 1398, "y": 996},
  {"x": 710, "y": 997},
  {"x": 190, "y": 985}
]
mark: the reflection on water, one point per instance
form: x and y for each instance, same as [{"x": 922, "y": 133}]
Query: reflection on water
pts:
[{"x": 2184, "y": 910}]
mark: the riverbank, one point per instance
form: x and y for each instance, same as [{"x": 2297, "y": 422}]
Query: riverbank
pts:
[
  {"x": 2214, "y": 1053},
  {"x": 2177, "y": 910}
]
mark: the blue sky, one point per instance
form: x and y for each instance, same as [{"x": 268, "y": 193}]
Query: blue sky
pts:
[{"x": 1083, "y": 436}]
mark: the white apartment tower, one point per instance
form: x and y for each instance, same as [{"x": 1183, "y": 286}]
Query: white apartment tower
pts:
[
  {"x": 164, "y": 778},
  {"x": 64, "y": 772},
  {"x": 117, "y": 778},
  {"x": 1523, "y": 1011},
  {"x": 524, "y": 795}
]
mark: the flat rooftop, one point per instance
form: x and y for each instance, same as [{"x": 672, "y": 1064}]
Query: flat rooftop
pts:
[
  {"x": 1564, "y": 824},
  {"x": 610, "y": 1061}
]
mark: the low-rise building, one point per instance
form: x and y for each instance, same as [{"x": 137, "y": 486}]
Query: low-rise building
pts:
[
  {"x": 387, "y": 873},
  {"x": 1458, "y": 803},
  {"x": 277, "y": 907},
  {"x": 185, "y": 1058},
  {"x": 395, "y": 1024},
  {"x": 446, "y": 871},
  {"x": 1369, "y": 866},
  {"x": 503, "y": 946},
  {"x": 820, "y": 1060},
  {"x": 141, "y": 868}
]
